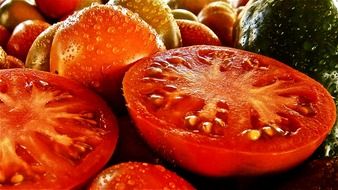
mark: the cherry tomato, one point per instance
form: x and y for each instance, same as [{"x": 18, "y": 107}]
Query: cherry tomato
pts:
[
  {"x": 219, "y": 111},
  {"x": 13, "y": 12},
  {"x": 97, "y": 50},
  {"x": 57, "y": 8},
  {"x": 55, "y": 134},
  {"x": 23, "y": 37},
  {"x": 196, "y": 33},
  {"x": 137, "y": 175},
  {"x": 220, "y": 17}
]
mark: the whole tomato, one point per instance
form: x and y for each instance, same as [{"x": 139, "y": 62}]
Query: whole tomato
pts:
[
  {"x": 57, "y": 9},
  {"x": 13, "y": 12},
  {"x": 23, "y": 37}
]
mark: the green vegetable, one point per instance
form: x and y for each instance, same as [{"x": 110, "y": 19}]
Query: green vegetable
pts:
[{"x": 300, "y": 33}]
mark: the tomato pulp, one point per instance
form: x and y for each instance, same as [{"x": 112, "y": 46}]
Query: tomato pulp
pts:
[
  {"x": 219, "y": 111},
  {"x": 54, "y": 133}
]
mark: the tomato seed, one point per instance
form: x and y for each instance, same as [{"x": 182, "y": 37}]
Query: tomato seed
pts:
[
  {"x": 154, "y": 72},
  {"x": 175, "y": 60},
  {"x": 191, "y": 120},
  {"x": 252, "y": 134},
  {"x": 170, "y": 88},
  {"x": 207, "y": 127},
  {"x": 156, "y": 99},
  {"x": 220, "y": 122},
  {"x": 268, "y": 130},
  {"x": 17, "y": 178}
]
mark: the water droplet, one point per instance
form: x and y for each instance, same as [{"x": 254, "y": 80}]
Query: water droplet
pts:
[{"x": 90, "y": 47}]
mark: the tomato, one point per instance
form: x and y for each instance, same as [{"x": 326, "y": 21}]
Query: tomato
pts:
[
  {"x": 137, "y": 175},
  {"x": 219, "y": 111},
  {"x": 23, "y": 37},
  {"x": 56, "y": 9},
  {"x": 13, "y": 12},
  {"x": 55, "y": 134},
  {"x": 196, "y": 33},
  {"x": 220, "y": 17},
  {"x": 97, "y": 50}
]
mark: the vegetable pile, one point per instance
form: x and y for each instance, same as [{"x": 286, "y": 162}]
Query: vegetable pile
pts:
[{"x": 168, "y": 94}]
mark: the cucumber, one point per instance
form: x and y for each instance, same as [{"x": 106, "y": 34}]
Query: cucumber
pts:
[{"x": 300, "y": 33}]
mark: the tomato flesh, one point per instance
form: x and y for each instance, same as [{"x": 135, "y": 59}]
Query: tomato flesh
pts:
[
  {"x": 54, "y": 132},
  {"x": 221, "y": 111}
]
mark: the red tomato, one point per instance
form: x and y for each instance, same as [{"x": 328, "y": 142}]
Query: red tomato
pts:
[
  {"x": 137, "y": 175},
  {"x": 57, "y": 8},
  {"x": 97, "y": 50},
  {"x": 196, "y": 33},
  {"x": 55, "y": 134},
  {"x": 23, "y": 37},
  {"x": 219, "y": 111}
]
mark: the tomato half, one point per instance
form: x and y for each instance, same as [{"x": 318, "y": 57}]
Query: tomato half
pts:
[
  {"x": 54, "y": 133},
  {"x": 219, "y": 111},
  {"x": 138, "y": 175}
]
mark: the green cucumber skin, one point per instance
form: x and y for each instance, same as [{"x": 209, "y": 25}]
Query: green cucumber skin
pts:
[{"x": 300, "y": 33}]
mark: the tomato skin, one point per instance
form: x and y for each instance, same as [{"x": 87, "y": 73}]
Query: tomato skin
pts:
[
  {"x": 102, "y": 140},
  {"x": 230, "y": 154},
  {"x": 23, "y": 37},
  {"x": 138, "y": 175},
  {"x": 4, "y": 36},
  {"x": 56, "y": 8}
]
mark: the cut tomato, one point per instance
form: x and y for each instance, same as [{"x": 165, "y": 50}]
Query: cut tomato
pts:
[
  {"x": 54, "y": 133},
  {"x": 138, "y": 175},
  {"x": 219, "y": 111}
]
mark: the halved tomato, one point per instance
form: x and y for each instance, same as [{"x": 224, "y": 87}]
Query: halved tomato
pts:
[
  {"x": 54, "y": 133},
  {"x": 138, "y": 175},
  {"x": 219, "y": 111}
]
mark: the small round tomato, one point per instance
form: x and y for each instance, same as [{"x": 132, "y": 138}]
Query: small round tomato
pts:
[
  {"x": 196, "y": 33},
  {"x": 97, "y": 50},
  {"x": 23, "y": 37},
  {"x": 13, "y": 12},
  {"x": 219, "y": 111},
  {"x": 220, "y": 17},
  {"x": 56, "y": 8},
  {"x": 55, "y": 134},
  {"x": 137, "y": 175}
]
